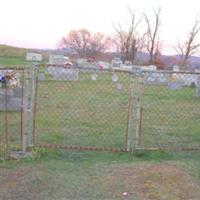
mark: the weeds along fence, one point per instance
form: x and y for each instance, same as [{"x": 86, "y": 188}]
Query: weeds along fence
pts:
[{"x": 95, "y": 109}]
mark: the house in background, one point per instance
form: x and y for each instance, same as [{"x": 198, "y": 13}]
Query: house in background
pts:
[{"x": 34, "y": 57}]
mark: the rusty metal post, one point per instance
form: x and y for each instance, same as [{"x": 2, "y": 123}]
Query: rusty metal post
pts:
[{"x": 6, "y": 116}]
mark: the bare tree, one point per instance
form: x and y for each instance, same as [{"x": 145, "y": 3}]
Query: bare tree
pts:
[
  {"x": 128, "y": 42},
  {"x": 152, "y": 33},
  {"x": 84, "y": 43},
  {"x": 99, "y": 43},
  {"x": 188, "y": 48}
]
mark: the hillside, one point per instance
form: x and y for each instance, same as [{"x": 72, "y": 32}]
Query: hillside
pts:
[
  {"x": 12, "y": 56},
  {"x": 9, "y": 51}
]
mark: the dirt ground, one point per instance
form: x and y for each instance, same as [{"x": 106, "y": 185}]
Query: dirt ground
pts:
[
  {"x": 154, "y": 182},
  {"x": 166, "y": 181}
]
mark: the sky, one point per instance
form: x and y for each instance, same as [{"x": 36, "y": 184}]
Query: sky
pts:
[{"x": 42, "y": 23}]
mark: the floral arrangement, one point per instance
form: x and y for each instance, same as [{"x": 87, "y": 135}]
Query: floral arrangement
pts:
[{"x": 9, "y": 80}]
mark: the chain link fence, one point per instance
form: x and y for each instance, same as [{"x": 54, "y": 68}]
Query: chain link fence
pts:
[
  {"x": 82, "y": 107},
  {"x": 169, "y": 110},
  {"x": 91, "y": 108}
]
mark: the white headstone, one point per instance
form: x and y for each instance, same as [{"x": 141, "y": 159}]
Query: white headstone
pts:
[
  {"x": 94, "y": 77},
  {"x": 176, "y": 68},
  {"x": 114, "y": 78}
]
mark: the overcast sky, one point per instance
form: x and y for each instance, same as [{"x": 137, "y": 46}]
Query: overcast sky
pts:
[{"x": 41, "y": 23}]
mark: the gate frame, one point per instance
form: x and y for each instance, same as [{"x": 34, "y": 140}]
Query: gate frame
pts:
[{"x": 127, "y": 134}]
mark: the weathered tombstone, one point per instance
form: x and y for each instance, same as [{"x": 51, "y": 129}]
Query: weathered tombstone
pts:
[
  {"x": 10, "y": 92},
  {"x": 94, "y": 77},
  {"x": 9, "y": 102},
  {"x": 17, "y": 92},
  {"x": 176, "y": 68},
  {"x": 62, "y": 74}
]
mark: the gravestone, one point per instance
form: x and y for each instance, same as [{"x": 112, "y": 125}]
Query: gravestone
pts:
[
  {"x": 152, "y": 78},
  {"x": 61, "y": 73},
  {"x": 176, "y": 68},
  {"x": 11, "y": 100}
]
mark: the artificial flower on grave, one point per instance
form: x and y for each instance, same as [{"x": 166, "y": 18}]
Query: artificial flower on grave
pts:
[
  {"x": 9, "y": 80},
  {"x": 2, "y": 81}
]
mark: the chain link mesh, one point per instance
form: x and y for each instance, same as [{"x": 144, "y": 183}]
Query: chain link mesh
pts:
[
  {"x": 82, "y": 107},
  {"x": 171, "y": 110}
]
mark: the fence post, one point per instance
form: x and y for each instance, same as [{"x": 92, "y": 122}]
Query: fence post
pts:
[
  {"x": 137, "y": 93},
  {"x": 28, "y": 105},
  {"x": 130, "y": 112},
  {"x": 138, "y": 127},
  {"x": 198, "y": 86}
]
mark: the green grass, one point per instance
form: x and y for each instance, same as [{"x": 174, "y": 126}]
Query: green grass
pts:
[
  {"x": 92, "y": 175},
  {"x": 12, "y": 61}
]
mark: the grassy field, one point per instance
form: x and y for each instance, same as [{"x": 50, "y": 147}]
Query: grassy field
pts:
[{"x": 94, "y": 113}]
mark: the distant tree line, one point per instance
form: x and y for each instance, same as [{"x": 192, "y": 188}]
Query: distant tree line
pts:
[{"x": 129, "y": 41}]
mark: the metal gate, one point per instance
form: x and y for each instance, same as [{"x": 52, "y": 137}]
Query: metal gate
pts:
[{"x": 83, "y": 108}]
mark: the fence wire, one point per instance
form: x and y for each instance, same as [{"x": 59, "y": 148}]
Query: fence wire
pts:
[
  {"x": 82, "y": 107},
  {"x": 170, "y": 103}
]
